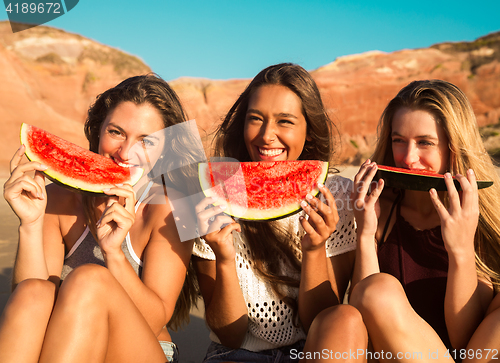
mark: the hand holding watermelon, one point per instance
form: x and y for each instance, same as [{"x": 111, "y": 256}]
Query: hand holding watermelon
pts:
[
  {"x": 366, "y": 205},
  {"x": 211, "y": 227},
  {"x": 117, "y": 219},
  {"x": 459, "y": 221},
  {"x": 26, "y": 195},
  {"x": 322, "y": 219}
]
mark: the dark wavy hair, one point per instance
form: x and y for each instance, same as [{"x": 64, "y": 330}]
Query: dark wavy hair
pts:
[
  {"x": 153, "y": 90},
  {"x": 270, "y": 244},
  {"x": 320, "y": 128}
]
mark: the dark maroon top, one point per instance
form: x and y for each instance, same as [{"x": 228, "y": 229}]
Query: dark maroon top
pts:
[{"x": 418, "y": 259}]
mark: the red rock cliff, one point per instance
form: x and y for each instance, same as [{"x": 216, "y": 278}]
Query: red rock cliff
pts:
[{"x": 50, "y": 77}]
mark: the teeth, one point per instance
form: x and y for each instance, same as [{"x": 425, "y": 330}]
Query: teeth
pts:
[
  {"x": 271, "y": 152},
  {"x": 122, "y": 164}
]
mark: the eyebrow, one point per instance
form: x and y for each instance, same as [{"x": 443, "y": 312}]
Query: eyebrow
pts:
[
  {"x": 151, "y": 136},
  {"x": 394, "y": 133},
  {"x": 281, "y": 114}
]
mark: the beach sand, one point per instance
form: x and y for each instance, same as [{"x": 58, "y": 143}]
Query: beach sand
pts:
[{"x": 192, "y": 340}]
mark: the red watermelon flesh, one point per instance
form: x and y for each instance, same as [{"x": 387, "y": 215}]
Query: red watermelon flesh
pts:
[
  {"x": 73, "y": 166},
  {"x": 262, "y": 190}
]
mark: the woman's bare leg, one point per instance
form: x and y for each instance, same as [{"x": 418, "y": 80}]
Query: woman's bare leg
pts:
[
  {"x": 94, "y": 320},
  {"x": 484, "y": 346},
  {"x": 393, "y": 326},
  {"x": 24, "y": 321},
  {"x": 336, "y": 334}
]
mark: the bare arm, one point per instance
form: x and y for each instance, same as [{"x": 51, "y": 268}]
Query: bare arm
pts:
[
  {"x": 367, "y": 211},
  {"x": 225, "y": 308},
  {"x": 27, "y": 197},
  {"x": 466, "y": 298},
  {"x": 165, "y": 262},
  {"x": 315, "y": 289}
]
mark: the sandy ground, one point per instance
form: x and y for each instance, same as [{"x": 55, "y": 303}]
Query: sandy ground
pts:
[{"x": 192, "y": 340}]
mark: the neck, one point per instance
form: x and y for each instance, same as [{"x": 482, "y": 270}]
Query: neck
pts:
[{"x": 420, "y": 202}]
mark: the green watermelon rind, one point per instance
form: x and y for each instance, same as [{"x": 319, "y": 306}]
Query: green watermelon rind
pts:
[
  {"x": 399, "y": 178},
  {"x": 66, "y": 181},
  {"x": 254, "y": 214}
]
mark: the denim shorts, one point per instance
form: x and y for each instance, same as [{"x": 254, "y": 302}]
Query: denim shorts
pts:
[
  {"x": 170, "y": 350},
  {"x": 218, "y": 353}
]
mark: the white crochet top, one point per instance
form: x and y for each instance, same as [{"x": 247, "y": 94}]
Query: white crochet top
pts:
[{"x": 270, "y": 323}]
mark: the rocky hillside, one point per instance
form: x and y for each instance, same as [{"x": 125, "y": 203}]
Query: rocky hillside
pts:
[
  {"x": 356, "y": 88},
  {"x": 50, "y": 77}
]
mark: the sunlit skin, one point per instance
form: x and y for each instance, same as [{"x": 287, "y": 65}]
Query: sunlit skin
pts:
[
  {"x": 275, "y": 126},
  {"x": 418, "y": 142},
  {"x": 131, "y": 135}
]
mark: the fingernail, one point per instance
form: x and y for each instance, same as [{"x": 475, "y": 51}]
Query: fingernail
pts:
[
  {"x": 106, "y": 189},
  {"x": 303, "y": 204},
  {"x": 222, "y": 206},
  {"x": 309, "y": 196},
  {"x": 470, "y": 172},
  {"x": 119, "y": 185},
  {"x": 447, "y": 175},
  {"x": 43, "y": 166},
  {"x": 432, "y": 191},
  {"x": 320, "y": 185}
]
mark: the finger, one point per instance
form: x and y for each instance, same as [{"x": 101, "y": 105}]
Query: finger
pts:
[
  {"x": 376, "y": 192},
  {"x": 24, "y": 184},
  {"x": 219, "y": 221},
  {"x": 16, "y": 159},
  {"x": 363, "y": 184},
  {"x": 117, "y": 213},
  {"x": 470, "y": 196},
  {"x": 362, "y": 171},
  {"x": 203, "y": 204},
  {"x": 227, "y": 230},
  {"x": 452, "y": 191},
  {"x": 22, "y": 169},
  {"x": 329, "y": 210},
  {"x": 124, "y": 191},
  {"x": 209, "y": 214},
  {"x": 308, "y": 227},
  {"x": 316, "y": 221},
  {"x": 440, "y": 208}
]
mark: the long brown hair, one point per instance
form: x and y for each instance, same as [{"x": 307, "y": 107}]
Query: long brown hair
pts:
[
  {"x": 453, "y": 112},
  {"x": 151, "y": 89},
  {"x": 267, "y": 240}
]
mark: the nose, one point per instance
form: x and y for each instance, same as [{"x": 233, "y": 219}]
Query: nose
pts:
[
  {"x": 125, "y": 151},
  {"x": 268, "y": 132},
  {"x": 411, "y": 156}
]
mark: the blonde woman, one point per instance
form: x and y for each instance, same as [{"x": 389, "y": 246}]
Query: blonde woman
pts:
[{"x": 430, "y": 258}]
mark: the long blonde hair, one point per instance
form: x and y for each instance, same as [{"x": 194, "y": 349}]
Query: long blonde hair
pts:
[{"x": 453, "y": 112}]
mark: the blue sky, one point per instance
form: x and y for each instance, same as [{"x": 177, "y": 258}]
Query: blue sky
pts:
[{"x": 222, "y": 39}]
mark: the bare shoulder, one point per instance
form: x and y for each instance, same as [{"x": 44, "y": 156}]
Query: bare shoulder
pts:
[{"x": 61, "y": 200}]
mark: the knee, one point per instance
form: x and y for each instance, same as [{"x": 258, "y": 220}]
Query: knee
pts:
[
  {"x": 377, "y": 294},
  {"x": 84, "y": 283},
  {"x": 32, "y": 296},
  {"x": 345, "y": 318}
]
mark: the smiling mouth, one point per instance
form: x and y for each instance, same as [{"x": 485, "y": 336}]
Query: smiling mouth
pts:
[
  {"x": 270, "y": 152},
  {"x": 124, "y": 165}
]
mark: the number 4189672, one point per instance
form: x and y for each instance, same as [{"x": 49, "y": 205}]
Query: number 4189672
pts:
[{"x": 39, "y": 8}]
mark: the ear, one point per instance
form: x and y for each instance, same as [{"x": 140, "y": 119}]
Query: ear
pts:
[{"x": 308, "y": 138}]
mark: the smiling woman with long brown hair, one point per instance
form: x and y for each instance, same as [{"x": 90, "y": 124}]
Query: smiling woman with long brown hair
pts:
[{"x": 263, "y": 283}]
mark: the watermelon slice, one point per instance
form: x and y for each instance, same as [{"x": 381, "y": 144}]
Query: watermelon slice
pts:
[
  {"x": 73, "y": 166},
  {"x": 417, "y": 179},
  {"x": 262, "y": 190}
]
